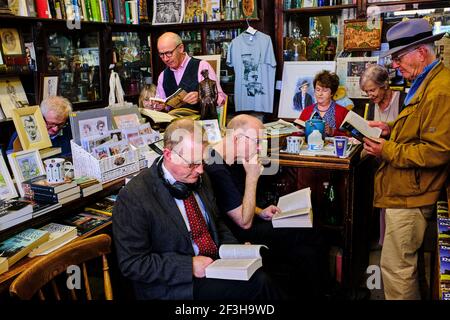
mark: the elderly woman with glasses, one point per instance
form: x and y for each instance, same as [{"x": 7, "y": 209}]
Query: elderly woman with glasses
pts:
[
  {"x": 182, "y": 71},
  {"x": 326, "y": 84},
  {"x": 55, "y": 110},
  {"x": 384, "y": 103}
]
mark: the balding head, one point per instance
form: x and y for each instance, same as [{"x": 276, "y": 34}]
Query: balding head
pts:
[
  {"x": 171, "y": 50},
  {"x": 244, "y": 133},
  {"x": 244, "y": 122},
  {"x": 169, "y": 38}
]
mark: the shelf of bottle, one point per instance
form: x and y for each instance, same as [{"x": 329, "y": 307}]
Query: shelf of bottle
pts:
[{"x": 320, "y": 9}]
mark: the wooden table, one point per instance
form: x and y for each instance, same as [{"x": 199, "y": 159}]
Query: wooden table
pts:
[
  {"x": 69, "y": 208},
  {"x": 352, "y": 179}
]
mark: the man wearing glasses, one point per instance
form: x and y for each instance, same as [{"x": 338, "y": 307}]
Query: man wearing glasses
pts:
[
  {"x": 55, "y": 110},
  {"x": 414, "y": 157},
  {"x": 167, "y": 231},
  {"x": 297, "y": 257},
  {"x": 183, "y": 72}
]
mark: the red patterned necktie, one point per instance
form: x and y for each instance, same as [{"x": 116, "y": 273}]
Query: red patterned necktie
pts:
[{"x": 199, "y": 230}]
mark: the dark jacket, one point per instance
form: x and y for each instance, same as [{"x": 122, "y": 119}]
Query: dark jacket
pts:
[{"x": 154, "y": 249}]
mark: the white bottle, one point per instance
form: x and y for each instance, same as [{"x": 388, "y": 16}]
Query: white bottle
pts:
[{"x": 315, "y": 141}]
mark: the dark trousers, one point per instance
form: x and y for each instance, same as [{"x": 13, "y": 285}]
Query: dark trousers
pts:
[
  {"x": 297, "y": 257},
  {"x": 259, "y": 287}
]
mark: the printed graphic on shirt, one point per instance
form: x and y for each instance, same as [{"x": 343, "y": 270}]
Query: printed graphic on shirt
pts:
[{"x": 251, "y": 75}]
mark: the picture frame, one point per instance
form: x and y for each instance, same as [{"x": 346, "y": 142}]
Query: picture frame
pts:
[
  {"x": 31, "y": 128},
  {"x": 7, "y": 189},
  {"x": 49, "y": 85},
  {"x": 249, "y": 9},
  {"x": 12, "y": 95},
  {"x": 350, "y": 70},
  {"x": 165, "y": 12},
  {"x": 212, "y": 130},
  {"x": 25, "y": 165},
  {"x": 127, "y": 117},
  {"x": 214, "y": 60},
  {"x": 12, "y": 44},
  {"x": 294, "y": 74},
  {"x": 87, "y": 123},
  {"x": 362, "y": 34}
]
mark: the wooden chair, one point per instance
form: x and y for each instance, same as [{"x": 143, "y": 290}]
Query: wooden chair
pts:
[{"x": 43, "y": 274}]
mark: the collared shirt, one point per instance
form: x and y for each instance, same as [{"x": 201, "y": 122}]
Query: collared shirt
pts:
[
  {"x": 178, "y": 73},
  {"x": 180, "y": 204},
  {"x": 418, "y": 81}
]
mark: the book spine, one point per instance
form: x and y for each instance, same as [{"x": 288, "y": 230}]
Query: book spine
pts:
[
  {"x": 63, "y": 9},
  {"x": 82, "y": 4},
  {"x": 110, "y": 11},
  {"x": 42, "y": 189},
  {"x": 89, "y": 16},
  {"x": 116, "y": 7},
  {"x": 42, "y": 9},
  {"x": 143, "y": 11},
  {"x": 45, "y": 198},
  {"x": 51, "y": 5},
  {"x": 58, "y": 9},
  {"x": 123, "y": 11},
  {"x": 127, "y": 13},
  {"x": 95, "y": 10}
]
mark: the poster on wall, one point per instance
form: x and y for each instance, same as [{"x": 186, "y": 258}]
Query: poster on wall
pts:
[
  {"x": 297, "y": 89},
  {"x": 350, "y": 70},
  {"x": 168, "y": 11}
]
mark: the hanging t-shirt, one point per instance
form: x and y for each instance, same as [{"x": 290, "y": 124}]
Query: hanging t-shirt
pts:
[{"x": 253, "y": 60}]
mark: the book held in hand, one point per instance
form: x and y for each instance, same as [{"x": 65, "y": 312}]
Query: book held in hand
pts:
[
  {"x": 175, "y": 100},
  {"x": 359, "y": 127},
  {"x": 237, "y": 262},
  {"x": 296, "y": 210}
]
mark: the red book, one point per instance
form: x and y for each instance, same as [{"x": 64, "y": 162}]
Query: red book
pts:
[{"x": 42, "y": 9}]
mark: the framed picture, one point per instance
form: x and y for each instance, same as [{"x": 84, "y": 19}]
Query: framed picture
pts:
[
  {"x": 11, "y": 42},
  {"x": 214, "y": 60},
  {"x": 298, "y": 75},
  {"x": 249, "y": 9},
  {"x": 7, "y": 189},
  {"x": 168, "y": 12},
  {"x": 31, "y": 128},
  {"x": 12, "y": 95},
  {"x": 30, "y": 55},
  {"x": 350, "y": 70},
  {"x": 49, "y": 86},
  {"x": 25, "y": 165},
  {"x": 90, "y": 123},
  {"x": 123, "y": 118},
  {"x": 362, "y": 35},
  {"x": 212, "y": 130}
]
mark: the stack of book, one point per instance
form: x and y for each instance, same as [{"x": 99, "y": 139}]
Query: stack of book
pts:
[
  {"x": 85, "y": 222},
  {"x": 88, "y": 185},
  {"x": 104, "y": 206},
  {"x": 18, "y": 246},
  {"x": 59, "y": 236},
  {"x": 40, "y": 190},
  {"x": 14, "y": 212}
]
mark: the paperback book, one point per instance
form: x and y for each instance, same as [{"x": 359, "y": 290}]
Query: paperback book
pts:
[
  {"x": 296, "y": 210},
  {"x": 359, "y": 128},
  {"x": 58, "y": 236},
  {"x": 18, "y": 246}
]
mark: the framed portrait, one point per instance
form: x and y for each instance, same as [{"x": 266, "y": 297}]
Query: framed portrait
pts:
[
  {"x": 350, "y": 70},
  {"x": 11, "y": 42},
  {"x": 25, "y": 165},
  {"x": 362, "y": 35},
  {"x": 49, "y": 86},
  {"x": 214, "y": 60},
  {"x": 297, "y": 90},
  {"x": 7, "y": 189},
  {"x": 90, "y": 123},
  {"x": 31, "y": 128},
  {"x": 12, "y": 95},
  {"x": 168, "y": 12},
  {"x": 128, "y": 117}
]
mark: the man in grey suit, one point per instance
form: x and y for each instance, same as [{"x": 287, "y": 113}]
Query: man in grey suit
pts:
[{"x": 167, "y": 231}]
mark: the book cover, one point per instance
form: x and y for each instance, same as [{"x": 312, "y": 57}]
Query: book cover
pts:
[
  {"x": 13, "y": 211},
  {"x": 157, "y": 116},
  {"x": 86, "y": 222},
  {"x": 21, "y": 244},
  {"x": 42, "y": 9},
  {"x": 104, "y": 206},
  {"x": 237, "y": 262},
  {"x": 175, "y": 100},
  {"x": 359, "y": 127},
  {"x": 41, "y": 185},
  {"x": 296, "y": 210},
  {"x": 444, "y": 259},
  {"x": 444, "y": 228},
  {"x": 58, "y": 234},
  {"x": 56, "y": 196}
]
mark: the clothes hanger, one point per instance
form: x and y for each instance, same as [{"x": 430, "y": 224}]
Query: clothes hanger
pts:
[{"x": 250, "y": 29}]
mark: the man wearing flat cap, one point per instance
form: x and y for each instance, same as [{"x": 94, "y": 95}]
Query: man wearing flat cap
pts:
[
  {"x": 415, "y": 154},
  {"x": 302, "y": 99}
]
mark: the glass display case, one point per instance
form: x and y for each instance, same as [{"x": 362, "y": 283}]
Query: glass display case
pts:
[
  {"x": 131, "y": 57},
  {"x": 75, "y": 59},
  {"x": 192, "y": 41}
]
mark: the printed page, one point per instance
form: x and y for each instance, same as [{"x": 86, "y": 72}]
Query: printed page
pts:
[
  {"x": 295, "y": 200},
  {"x": 362, "y": 125},
  {"x": 157, "y": 116},
  {"x": 240, "y": 251}
]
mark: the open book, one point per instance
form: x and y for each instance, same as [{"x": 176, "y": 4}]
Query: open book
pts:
[
  {"x": 157, "y": 116},
  {"x": 175, "y": 100},
  {"x": 237, "y": 262},
  {"x": 359, "y": 127},
  {"x": 296, "y": 210}
]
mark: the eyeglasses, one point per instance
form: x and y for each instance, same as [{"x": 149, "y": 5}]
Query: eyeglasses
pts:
[
  {"x": 191, "y": 165},
  {"x": 258, "y": 141},
  {"x": 168, "y": 54},
  {"x": 54, "y": 125},
  {"x": 398, "y": 59}
]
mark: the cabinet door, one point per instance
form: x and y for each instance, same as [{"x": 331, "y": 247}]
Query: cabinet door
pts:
[
  {"x": 75, "y": 58},
  {"x": 131, "y": 57}
]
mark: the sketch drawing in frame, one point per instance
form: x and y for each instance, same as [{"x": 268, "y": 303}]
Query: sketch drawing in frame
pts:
[
  {"x": 49, "y": 86},
  {"x": 25, "y": 165},
  {"x": 168, "y": 12},
  {"x": 11, "y": 42},
  {"x": 31, "y": 128},
  {"x": 7, "y": 189},
  {"x": 362, "y": 35},
  {"x": 298, "y": 74},
  {"x": 12, "y": 95}
]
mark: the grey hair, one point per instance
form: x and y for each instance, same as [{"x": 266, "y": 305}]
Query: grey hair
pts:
[
  {"x": 59, "y": 104},
  {"x": 377, "y": 74}
]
